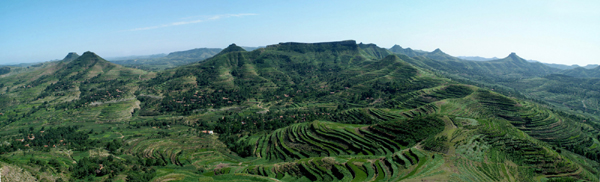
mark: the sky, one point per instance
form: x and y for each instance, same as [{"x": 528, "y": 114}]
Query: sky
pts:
[{"x": 550, "y": 31}]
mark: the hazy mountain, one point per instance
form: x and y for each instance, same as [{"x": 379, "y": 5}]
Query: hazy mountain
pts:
[
  {"x": 500, "y": 70},
  {"x": 171, "y": 60},
  {"x": 476, "y": 58},
  {"x": 591, "y": 66},
  {"x": 561, "y": 66},
  {"x": 136, "y": 57},
  {"x": 582, "y": 72},
  {"x": 251, "y": 48},
  {"x": 408, "y": 51},
  {"x": 70, "y": 57}
]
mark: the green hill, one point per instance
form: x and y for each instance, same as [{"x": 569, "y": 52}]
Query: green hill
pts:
[
  {"x": 580, "y": 94},
  {"x": 332, "y": 111}
]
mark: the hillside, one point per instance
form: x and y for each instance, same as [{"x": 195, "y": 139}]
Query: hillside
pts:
[
  {"x": 581, "y": 72},
  {"x": 70, "y": 83},
  {"x": 518, "y": 77},
  {"x": 331, "y": 111},
  {"x": 580, "y": 94},
  {"x": 347, "y": 85}
]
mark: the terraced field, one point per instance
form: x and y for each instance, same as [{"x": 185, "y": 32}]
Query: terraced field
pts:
[
  {"x": 406, "y": 164},
  {"x": 321, "y": 138},
  {"x": 181, "y": 151}
]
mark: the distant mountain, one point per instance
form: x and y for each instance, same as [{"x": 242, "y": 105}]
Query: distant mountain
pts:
[
  {"x": 561, "y": 66},
  {"x": 70, "y": 57},
  {"x": 436, "y": 54},
  {"x": 193, "y": 54},
  {"x": 136, "y": 57},
  {"x": 591, "y": 66},
  {"x": 509, "y": 68},
  {"x": 476, "y": 58},
  {"x": 231, "y": 48},
  {"x": 408, "y": 51},
  {"x": 171, "y": 60},
  {"x": 251, "y": 48},
  {"x": 582, "y": 72}
]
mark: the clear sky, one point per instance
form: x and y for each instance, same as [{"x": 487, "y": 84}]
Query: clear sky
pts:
[{"x": 551, "y": 31}]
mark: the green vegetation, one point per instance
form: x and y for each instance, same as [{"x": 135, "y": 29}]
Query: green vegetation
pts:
[{"x": 336, "y": 111}]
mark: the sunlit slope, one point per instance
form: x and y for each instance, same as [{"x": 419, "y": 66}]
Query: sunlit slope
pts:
[
  {"x": 471, "y": 132},
  {"x": 292, "y": 72},
  {"x": 333, "y": 111},
  {"x": 86, "y": 81},
  {"x": 344, "y": 83}
]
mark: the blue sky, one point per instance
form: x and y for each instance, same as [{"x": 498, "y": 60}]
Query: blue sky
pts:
[{"x": 552, "y": 31}]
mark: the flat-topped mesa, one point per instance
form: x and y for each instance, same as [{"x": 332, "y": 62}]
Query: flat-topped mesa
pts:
[
  {"x": 71, "y": 56},
  {"x": 339, "y": 46}
]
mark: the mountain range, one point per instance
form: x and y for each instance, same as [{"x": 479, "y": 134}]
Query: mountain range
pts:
[{"x": 331, "y": 111}]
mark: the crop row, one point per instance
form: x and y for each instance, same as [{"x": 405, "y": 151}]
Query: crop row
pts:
[
  {"x": 402, "y": 165},
  {"x": 316, "y": 139}
]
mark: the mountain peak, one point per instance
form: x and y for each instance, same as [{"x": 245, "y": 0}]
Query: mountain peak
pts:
[
  {"x": 437, "y": 51},
  {"x": 231, "y": 48},
  {"x": 396, "y": 48},
  {"x": 89, "y": 53},
  {"x": 71, "y": 56},
  {"x": 88, "y": 58},
  {"x": 514, "y": 56}
]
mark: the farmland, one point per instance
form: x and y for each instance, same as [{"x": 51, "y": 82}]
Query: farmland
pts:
[{"x": 336, "y": 111}]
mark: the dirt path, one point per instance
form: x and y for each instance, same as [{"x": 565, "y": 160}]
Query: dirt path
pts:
[
  {"x": 265, "y": 109},
  {"x": 122, "y": 136}
]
